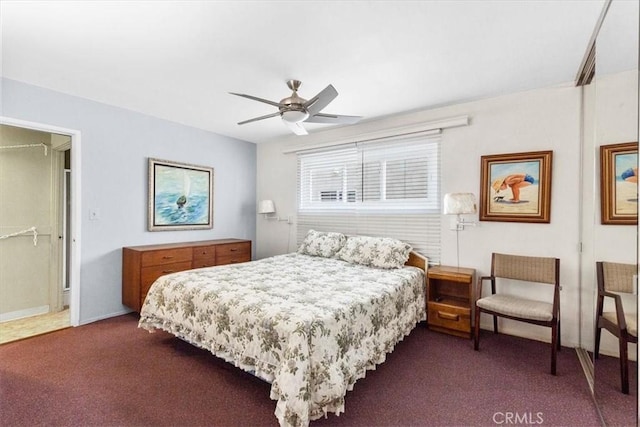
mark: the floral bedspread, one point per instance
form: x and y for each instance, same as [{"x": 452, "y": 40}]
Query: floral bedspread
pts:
[{"x": 310, "y": 326}]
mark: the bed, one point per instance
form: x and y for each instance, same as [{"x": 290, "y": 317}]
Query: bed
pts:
[{"x": 310, "y": 323}]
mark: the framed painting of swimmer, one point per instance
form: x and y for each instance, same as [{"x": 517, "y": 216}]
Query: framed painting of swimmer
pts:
[
  {"x": 619, "y": 183},
  {"x": 516, "y": 187},
  {"x": 180, "y": 196}
]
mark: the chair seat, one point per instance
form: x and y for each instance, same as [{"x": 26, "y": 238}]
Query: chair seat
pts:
[
  {"x": 629, "y": 318},
  {"x": 517, "y": 307}
]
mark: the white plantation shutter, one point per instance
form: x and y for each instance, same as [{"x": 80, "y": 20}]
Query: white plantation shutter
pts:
[{"x": 388, "y": 188}]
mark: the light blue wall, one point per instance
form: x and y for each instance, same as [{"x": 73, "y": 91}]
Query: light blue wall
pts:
[{"x": 115, "y": 148}]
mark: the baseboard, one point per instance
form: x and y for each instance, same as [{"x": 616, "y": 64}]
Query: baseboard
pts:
[
  {"x": 103, "y": 317},
  {"x": 20, "y": 314},
  {"x": 543, "y": 336}
]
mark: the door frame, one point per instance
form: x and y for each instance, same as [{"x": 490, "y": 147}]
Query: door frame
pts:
[{"x": 74, "y": 274}]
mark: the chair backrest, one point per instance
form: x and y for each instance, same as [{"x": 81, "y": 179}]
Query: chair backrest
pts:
[
  {"x": 526, "y": 268},
  {"x": 616, "y": 277}
]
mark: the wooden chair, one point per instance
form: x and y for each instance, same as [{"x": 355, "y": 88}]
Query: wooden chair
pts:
[
  {"x": 613, "y": 279},
  {"x": 534, "y": 271}
]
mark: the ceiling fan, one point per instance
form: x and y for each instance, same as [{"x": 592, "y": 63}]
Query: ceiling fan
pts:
[{"x": 294, "y": 110}]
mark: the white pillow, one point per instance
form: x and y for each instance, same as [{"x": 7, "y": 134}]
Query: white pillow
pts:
[
  {"x": 381, "y": 252},
  {"x": 322, "y": 243}
]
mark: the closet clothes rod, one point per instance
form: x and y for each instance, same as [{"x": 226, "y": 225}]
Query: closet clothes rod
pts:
[
  {"x": 26, "y": 231},
  {"x": 26, "y": 146}
]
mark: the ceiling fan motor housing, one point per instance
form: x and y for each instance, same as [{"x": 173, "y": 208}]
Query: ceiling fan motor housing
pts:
[{"x": 292, "y": 108}]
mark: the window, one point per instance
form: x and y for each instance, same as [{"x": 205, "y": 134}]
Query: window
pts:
[
  {"x": 389, "y": 176},
  {"x": 389, "y": 188}
]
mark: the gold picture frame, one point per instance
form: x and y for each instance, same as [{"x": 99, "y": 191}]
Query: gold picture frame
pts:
[
  {"x": 516, "y": 187},
  {"x": 619, "y": 183}
]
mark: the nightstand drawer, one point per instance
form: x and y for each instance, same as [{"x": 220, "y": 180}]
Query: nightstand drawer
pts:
[{"x": 449, "y": 317}]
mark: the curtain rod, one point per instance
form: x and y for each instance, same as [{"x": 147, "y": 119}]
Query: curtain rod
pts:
[
  {"x": 423, "y": 128},
  {"x": 362, "y": 142}
]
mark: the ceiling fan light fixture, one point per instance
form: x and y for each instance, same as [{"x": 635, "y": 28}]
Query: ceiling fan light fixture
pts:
[
  {"x": 295, "y": 110},
  {"x": 293, "y": 116}
]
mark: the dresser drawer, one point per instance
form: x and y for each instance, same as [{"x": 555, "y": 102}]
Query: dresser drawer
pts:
[
  {"x": 150, "y": 274},
  {"x": 204, "y": 256},
  {"x": 233, "y": 253},
  {"x": 449, "y": 317},
  {"x": 166, "y": 256}
]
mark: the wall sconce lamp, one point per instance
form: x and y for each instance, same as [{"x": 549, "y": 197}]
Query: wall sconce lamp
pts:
[
  {"x": 267, "y": 208},
  {"x": 460, "y": 204}
]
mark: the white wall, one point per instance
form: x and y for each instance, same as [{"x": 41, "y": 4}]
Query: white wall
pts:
[
  {"x": 116, "y": 144},
  {"x": 543, "y": 119}
]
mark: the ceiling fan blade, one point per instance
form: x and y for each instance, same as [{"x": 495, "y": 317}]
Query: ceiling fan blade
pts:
[
  {"x": 260, "y": 118},
  {"x": 333, "y": 118},
  {"x": 321, "y": 100},
  {"x": 296, "y": 128},
  {"x": 255, "y": 98}
]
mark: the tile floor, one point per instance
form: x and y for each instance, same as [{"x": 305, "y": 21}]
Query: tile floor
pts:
[{"x": 18, "y": 329}]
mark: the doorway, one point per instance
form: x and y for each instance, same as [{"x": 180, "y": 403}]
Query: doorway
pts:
[{"x": 63, "y": 230}]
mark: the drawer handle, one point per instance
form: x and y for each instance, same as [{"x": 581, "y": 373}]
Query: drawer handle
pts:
[
  {"x": 448, "y": 316},
  {"x": 167, "y": 257},
  {"x": 233, "y": 250},
  {"x": 168, "y": 271}
]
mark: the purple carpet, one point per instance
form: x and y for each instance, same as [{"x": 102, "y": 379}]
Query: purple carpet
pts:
[
  {"x": 110, "y": 373},
  {"x": 617, "y": 409}
]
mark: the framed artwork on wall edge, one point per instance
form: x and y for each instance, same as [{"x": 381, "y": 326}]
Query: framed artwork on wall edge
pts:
[
  {"x": 516, "y": 187},
  {"x": 180, "y": 196},
  {"x": 619, "y": 183}
]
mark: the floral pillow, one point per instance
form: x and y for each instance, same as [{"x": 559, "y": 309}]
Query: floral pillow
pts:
[
  {"x": 381, "y": 252},
  {"x": 322, "y": 243}
]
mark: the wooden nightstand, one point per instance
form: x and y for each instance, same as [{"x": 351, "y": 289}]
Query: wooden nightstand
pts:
[{"x": 450, "y": 299}]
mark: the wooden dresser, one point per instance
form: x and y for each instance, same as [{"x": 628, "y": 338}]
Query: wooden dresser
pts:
[{"x": 142, "y": 265}]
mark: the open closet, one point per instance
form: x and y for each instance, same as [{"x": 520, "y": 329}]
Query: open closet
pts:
[{"x": 35, "y": 220}]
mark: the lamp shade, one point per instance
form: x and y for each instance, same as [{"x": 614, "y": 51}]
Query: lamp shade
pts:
[
  {"x": 266, "y": 207},
  {"x": 459, "y": 203}
]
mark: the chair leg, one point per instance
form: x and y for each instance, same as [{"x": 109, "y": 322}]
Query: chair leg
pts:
[
  {"x": 596, "y": 349},
  {"x": 476, "y": 331},
  {"x": 624, "y": 366},
  {"x": 559, "y": 335},
  {"x": 554, "y": 347},
  {"x": 495, "y": 324}
]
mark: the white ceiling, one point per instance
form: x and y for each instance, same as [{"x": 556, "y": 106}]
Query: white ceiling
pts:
[{"x": 178, "y": 60}]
